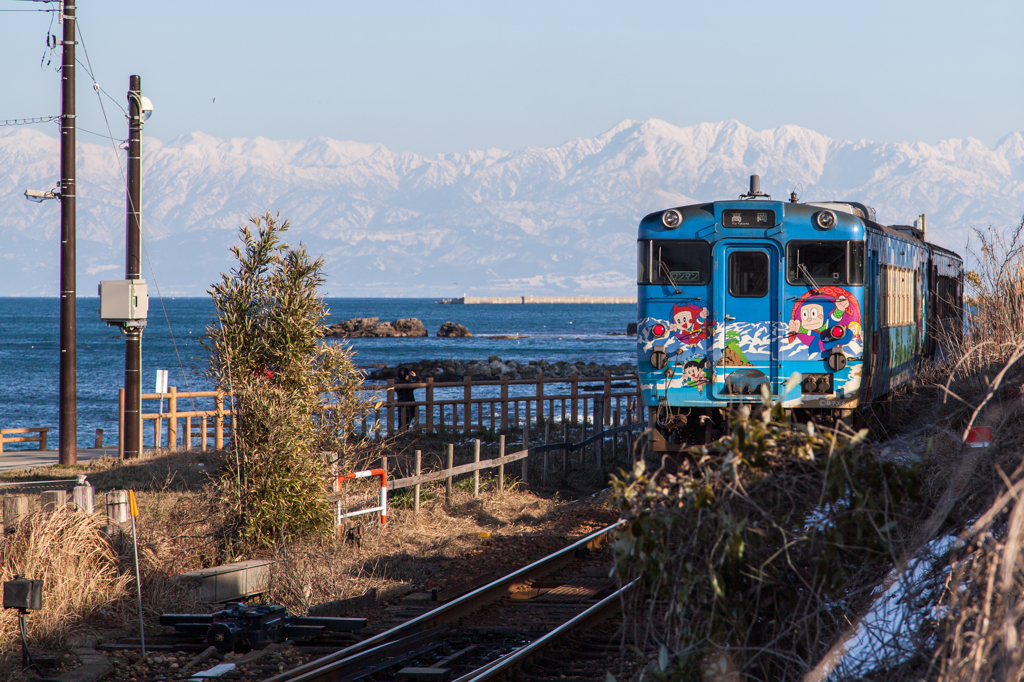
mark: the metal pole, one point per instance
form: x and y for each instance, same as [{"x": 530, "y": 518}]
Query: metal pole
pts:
[
  {"x": 68, "y": 330},
  {"x": 133, "y": 270}
]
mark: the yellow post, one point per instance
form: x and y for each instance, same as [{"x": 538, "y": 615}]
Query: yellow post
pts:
[
  {"x": 218, "y": 433},
  {"x": 172, "y": 419}
]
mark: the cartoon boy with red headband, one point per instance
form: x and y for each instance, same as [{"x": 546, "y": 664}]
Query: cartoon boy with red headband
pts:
[{"x": 689, "y": 323}]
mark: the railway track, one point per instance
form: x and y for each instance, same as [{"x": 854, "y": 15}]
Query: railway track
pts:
[{"x": 558, "y": 618}]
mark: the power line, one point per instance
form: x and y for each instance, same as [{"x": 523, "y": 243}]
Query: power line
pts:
[{"x": 28, "y": 121}]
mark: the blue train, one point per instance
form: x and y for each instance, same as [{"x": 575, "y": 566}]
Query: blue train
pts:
[{"x": 736, "y": 295}]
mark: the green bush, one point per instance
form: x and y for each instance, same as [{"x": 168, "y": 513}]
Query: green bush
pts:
[{"x": 266, "y": 349}]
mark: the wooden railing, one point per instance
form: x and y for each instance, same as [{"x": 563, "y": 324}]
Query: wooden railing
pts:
[
  {"x": 505, "y": 412},
  {"x": 501, "y": 411}
]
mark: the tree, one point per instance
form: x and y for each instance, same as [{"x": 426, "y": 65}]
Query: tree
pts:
[{"x": 266, "y": 350}]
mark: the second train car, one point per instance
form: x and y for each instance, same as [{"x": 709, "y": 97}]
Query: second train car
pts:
[{"x": 736, "y": 295}]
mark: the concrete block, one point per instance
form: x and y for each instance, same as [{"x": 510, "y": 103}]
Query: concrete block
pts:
[
  {"x": 230, "y": 582},
  {"x": 118, "y": 510},
  {"x": 83, "y": 497}
]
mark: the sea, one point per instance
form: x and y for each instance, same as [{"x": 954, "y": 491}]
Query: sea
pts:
[{"x": 30, "y": 334}]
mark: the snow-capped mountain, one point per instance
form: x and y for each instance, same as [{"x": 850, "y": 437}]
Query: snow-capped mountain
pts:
[{"x": 533, "y": 221}]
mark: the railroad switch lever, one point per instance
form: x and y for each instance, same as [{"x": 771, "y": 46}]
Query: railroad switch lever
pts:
[{"x": 241, "y": 627}]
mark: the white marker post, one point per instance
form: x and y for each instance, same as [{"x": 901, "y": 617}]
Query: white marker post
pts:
[{"x": 133, "y": 508}]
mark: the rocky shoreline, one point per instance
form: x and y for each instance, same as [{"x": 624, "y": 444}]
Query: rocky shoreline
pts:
[
  {"x": 495, "y": 368},
  {"x": 373, "y": 328}
]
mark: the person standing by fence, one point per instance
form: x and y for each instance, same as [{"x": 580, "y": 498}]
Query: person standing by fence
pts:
[{"x": 406, "y": 413}]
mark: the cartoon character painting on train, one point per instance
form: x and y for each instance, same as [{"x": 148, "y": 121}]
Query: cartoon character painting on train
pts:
[
  {"x": 690, "y": 323},
  {"x": 696, "y": 373},
  {"x": 826, "y": 318}
]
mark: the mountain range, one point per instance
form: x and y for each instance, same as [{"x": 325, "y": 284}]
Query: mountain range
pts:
[{"x": 557, "y": 220}]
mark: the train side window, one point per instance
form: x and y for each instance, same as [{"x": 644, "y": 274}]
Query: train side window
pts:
[
  {"x": 685, "y": 262},
  {"x": 748, "y": 274},
  {"x": 825, "y": 262},
  {"x": 856, "y": 263}
]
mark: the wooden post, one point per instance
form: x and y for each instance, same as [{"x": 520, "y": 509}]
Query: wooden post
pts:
[
  {"x": 52, "y": 500},
  {"x": 574, "y": 391},
  {"x": 448, "y": 480},
  {"x": 84, "y": 498},
  {"x": 117, "y": 506},
  {"x": 172, "y": 419},
  {"x": 501, "y": 467},
  {"x": 98, "y": 443},
  {"x": 430, "y": 404},
  {"x": 467, "y": 405},
  {"x": 204, "y": 432},
  {"x": 476, "y": 472},
  {"x": 615, "y": 440},
  {"x": 607, "y": 398},
  {"x": 218, "y": 426},
  {"x": 188, "y": 433},
  {"x": 565, "y": 452},
  {"x": 15, "y": 510},
  {"x": 504, "y": 402},
  {"x": 540, "y": 398},
  {"x": 416, "y": 502},
  {"x": 120, "y": 423},
  {"x": 547, "y": 437},
  {"x": 639, "y": 401},
  {"x": 598, "y": 428},
  {"x": 526, "y": 443},
  {"x": 389, "y": 405}
]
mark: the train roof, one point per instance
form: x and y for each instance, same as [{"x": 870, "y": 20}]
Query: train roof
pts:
[{"x": 866, "y": 214}]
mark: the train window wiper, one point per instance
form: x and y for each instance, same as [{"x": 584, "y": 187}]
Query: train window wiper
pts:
[
  {"x": 668, "y": 273},
  {"x": 808, "y": 276}
]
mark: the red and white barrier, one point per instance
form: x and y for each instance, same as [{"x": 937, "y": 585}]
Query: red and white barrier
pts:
[{"x": 383, "y": 508}]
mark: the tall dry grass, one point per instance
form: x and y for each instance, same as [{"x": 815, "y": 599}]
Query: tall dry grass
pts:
[{"x": 80, "y": 573}]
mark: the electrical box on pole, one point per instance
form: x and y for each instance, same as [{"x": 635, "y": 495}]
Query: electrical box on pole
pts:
[{"x": 124, "y": 302}]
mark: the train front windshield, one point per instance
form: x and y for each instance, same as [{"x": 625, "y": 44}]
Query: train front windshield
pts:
[{"x": 673, "y": 261}]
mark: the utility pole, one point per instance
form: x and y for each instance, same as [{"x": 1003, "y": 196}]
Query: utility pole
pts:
[
  {"x": 133, "y": 270},
  {"x": 68, "y": 308}
]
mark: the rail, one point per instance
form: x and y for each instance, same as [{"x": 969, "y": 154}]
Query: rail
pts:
[
  {"x": 465, "y": 406},
  {"x": 419, "y": 630}
]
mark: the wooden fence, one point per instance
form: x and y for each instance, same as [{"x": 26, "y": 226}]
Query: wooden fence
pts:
[
  {"x": 591, "y": 451},
  {"x": 507, "y": 407}
]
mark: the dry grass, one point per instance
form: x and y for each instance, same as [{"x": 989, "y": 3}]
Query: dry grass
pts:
[{"x": 81, "y": 575}]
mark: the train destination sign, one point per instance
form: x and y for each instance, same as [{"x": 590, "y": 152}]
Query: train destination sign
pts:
[{"x": 748, "y": 217}]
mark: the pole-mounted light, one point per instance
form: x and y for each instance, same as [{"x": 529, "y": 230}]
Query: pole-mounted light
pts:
[{"x": 39, "y": 196}]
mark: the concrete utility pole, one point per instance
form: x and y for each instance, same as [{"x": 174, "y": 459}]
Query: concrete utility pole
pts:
[
  {"x": 68, "y": 308},
  {"x": 133, "y": 270}
]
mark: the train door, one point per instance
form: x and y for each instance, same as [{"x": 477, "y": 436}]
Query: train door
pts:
[{"x": 746, "y": 341}]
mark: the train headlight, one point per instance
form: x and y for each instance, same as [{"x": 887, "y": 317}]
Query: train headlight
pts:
[
  {"x": 659, "y": 330},
  {"x": 825, "y": 220},
  {"x": 672, "y": 218},
  {"x": 837, "y": 332}
]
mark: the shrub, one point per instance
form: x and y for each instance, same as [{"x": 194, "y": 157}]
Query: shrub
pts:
[{"x": 266, "y": 349}]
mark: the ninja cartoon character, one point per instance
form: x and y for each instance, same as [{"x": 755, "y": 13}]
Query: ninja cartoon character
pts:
[
  {"x": 697, "y": 373},
  {"x": 690, "y": 323},
  {"x": 825, "y": 320}
]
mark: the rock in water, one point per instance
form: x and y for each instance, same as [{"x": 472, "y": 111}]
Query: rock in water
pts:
[
  {"x": 372, "y": 327},
  {"x": 452, "y": 330}
]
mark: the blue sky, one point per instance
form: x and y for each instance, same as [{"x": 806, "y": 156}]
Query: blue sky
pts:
[{"x": 448, "y": 76}]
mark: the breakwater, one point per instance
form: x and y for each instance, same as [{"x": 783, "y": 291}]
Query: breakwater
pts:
[
  {"x": 523, "y": 300},
  {"x": 495, "y": 368}
]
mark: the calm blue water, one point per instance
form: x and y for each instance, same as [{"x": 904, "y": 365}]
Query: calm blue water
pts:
[{"x": 29, "y": 339}]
